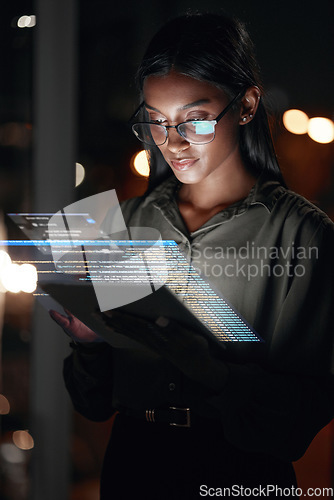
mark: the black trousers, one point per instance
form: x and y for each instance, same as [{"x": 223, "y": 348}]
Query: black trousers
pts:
[{"x": 161, "y": 462}]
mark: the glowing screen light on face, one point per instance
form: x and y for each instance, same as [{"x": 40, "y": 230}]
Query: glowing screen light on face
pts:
[{"x": 204, "y": 128}]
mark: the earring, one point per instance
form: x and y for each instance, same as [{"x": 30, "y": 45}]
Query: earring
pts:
[
  {"x": 244, "y": 118},
  {"x": 250, "y": 116}
]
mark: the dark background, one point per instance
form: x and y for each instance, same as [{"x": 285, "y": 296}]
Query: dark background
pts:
[{"x": 294, "y": 44}]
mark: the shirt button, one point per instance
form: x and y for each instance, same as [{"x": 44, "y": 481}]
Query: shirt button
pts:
[{"x": 171, "y": 386}]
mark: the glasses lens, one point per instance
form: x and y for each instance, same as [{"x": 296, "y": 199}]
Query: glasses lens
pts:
[
  {"x": 150, "y": 133},
  {"x": 200, "y": 132}
]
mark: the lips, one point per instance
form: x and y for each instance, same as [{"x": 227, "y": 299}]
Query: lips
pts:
[{"x": 183, "y": 164}]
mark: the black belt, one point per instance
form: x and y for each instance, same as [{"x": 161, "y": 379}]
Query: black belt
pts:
[{"x": 177, "y": 417}]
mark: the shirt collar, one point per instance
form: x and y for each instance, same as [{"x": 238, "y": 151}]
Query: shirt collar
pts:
[{"x": 265, "y": 191}]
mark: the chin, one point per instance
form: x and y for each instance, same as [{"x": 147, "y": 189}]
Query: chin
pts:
[{"x": 187, "y": 177}]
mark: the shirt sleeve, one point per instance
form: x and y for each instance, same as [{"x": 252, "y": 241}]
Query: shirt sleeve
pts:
[
  {"x": 279, "y": 407},
  {"x": 88, "y": 378},
  {"x": 88, "y": 371}
]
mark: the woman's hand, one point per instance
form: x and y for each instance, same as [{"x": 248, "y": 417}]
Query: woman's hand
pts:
[
  {"x": 77, "y": 330},
  {"x": 187, "y": 350}
]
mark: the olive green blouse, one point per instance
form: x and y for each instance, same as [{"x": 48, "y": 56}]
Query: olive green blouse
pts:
[{"x": 271, "y": 256}]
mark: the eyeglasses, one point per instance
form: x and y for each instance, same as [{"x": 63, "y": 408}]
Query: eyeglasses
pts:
[{"x": 194, "y": 131}]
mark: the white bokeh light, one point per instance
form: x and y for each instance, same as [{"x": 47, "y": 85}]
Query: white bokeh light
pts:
[
  {"x": 17, "y": 278},
  {"x": 321, "y": 130},
  {"x": 140, "y": 164},
  {"x": 79, "y": 174},
  {"x": 4, "y": 405},
  {"x": 295, "y": 121},
  {"x": 10, "y": 278},
  {"x": 28, "y": 278},
  {"x": 23, "y": 440},
  {"x": 26, "y": 21},
  {"x": 11, "y": 454},
  {"x": 5, "y": 260}
]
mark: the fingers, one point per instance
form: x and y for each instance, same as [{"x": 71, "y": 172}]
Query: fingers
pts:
[
  {"x": 74, "y": 327},
  {"x": 124, "y": 322},
  {"x": 162, "y": 321},
  {"x": 61, "y": 320}
]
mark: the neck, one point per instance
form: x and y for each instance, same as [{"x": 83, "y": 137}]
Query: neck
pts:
[{"x": 221, "y": 191}]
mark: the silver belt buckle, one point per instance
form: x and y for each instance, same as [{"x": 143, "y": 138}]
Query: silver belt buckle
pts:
[{"x": 187, "y": 410}]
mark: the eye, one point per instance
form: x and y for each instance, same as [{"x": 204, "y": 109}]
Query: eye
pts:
[
  {"x": 197, "y": 116},
  {"x": 158, "y": 121},
  {"x": 196, "y": 119}
]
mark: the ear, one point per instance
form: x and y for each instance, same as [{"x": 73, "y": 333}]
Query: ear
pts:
[{"x": 249, "y": 104}]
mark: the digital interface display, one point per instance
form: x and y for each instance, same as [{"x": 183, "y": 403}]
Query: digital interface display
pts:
[{"x": 129, "y": 267}]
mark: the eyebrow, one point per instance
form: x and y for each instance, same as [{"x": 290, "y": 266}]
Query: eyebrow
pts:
[{"x": 186, "y": 106}]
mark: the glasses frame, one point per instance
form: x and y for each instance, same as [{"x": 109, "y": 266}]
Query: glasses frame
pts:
[{"x": 167, "y": 127}]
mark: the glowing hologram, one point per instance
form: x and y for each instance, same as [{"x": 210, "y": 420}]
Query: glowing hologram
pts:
[
  {"x": 123, "y": 271},
  {"x": 102, "y": 266},
  {"x": 91, "y": 246}
]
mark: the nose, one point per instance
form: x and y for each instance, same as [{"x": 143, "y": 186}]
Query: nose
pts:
[{"x": 175, "y": 142}]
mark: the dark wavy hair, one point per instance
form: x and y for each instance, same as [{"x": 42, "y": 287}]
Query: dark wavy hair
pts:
[{"x": 216, "y": 49}]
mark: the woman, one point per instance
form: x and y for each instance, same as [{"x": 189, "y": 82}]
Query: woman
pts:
[{"x": 216, "y": 189}]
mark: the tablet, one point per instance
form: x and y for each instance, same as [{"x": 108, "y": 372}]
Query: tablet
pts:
[
  {"x": 148, "y": 279},
  {"x": 218, "y": 322},
  {"x": 80, "y": 300}
]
